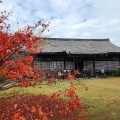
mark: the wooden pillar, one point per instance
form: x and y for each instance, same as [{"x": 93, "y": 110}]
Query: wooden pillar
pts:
[
  {"x": 49, "y": 64},
  {"x": 56, "y": 65},
  {"x": 113, "y": 67},
  {"x": 107, "y": 64},
  {"x": 113, "y": 64},
  {"x": 94, "y": 71},
  {"x": 77, "y": 64},
  {"x": 86, "y": 66},
  {"x": 64, "y": 63},
  {"x": 119, "y": 61}
]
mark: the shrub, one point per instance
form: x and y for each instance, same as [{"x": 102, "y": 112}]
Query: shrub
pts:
[
  {"x": 42, "y": 107},
  {"x": 117, "y": 73}
]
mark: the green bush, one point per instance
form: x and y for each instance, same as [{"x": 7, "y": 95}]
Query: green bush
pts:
[{"x": 117, "y": 73}]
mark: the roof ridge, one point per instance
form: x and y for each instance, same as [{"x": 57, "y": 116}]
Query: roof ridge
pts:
[{"x": 77, "y": 39}]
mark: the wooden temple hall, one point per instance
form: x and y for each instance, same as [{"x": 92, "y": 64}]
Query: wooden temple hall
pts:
[{"x": 82, "y": 54}]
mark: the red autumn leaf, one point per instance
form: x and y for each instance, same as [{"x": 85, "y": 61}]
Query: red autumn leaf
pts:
[
  {"x": 33, "y": 109},
  {"x": 44, "y": 118},
  {"x": 56, "y": 107},
  {"x": 15, "y": 106},
  {"x": 40, "y": 112}
]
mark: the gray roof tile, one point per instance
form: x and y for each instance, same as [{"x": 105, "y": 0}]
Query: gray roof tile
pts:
[{"x": 80, "y": 46}]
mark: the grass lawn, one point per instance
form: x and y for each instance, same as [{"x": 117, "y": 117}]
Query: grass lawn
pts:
[{"x": 102, "y": 96}]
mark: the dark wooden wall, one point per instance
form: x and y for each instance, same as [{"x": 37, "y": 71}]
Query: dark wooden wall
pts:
[{"x": 110, "y": 62}]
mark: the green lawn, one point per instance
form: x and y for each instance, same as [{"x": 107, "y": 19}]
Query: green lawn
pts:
[{"x": 102, "y": 96}]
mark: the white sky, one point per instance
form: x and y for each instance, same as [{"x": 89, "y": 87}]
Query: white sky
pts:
[{"x": 95, "y": 19}]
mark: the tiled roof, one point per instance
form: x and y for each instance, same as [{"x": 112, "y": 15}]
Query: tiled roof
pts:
[{"x": 80, "y": 46}]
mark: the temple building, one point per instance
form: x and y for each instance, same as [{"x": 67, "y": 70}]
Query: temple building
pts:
[{"x": 82, "y": 54}]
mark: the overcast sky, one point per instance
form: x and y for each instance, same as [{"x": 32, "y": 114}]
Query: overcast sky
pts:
[{"x": 69, "y": 18}]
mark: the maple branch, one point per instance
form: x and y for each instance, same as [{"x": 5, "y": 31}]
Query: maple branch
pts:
[
  {"x": 9, "y": 56},
  {"x": 5, "y": 17}
]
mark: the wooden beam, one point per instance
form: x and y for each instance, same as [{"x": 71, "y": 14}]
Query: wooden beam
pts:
[
  {"x": 94, "y": 71},
  {"x": 86, "y": 65},
  {"x": 64, "y": 63},
  {"x": 119, "y": 60},
  {"x": 107, "y": 64}
]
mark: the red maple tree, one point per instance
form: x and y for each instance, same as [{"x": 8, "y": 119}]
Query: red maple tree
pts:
[{"x": 16, "y": 50}]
